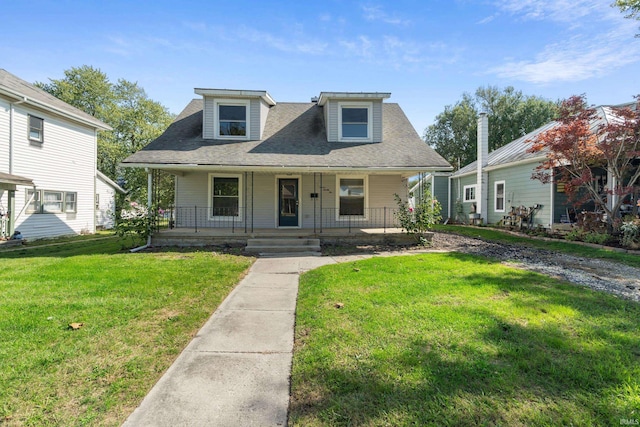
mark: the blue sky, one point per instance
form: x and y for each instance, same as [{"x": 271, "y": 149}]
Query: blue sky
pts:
[{"x": 426, "y": 53}]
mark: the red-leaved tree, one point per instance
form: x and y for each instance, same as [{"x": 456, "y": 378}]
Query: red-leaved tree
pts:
[{"x": 584, "y": 139}]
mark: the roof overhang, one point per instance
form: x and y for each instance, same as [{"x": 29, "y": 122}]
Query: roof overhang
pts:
[
  {"x": 403, "y": 170},
  {"x": 353, "y": 96},
  {"x": 110, "y": 182},
  {"x": 20, "y": 98},
  {"x": 8, "y": 180},
  {"x": 240, "y": 94},
  {"x": 501, "y": 166}
]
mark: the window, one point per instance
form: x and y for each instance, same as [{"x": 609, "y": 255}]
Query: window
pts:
[
  {"x": 232, "y": 119},
  {"x": 70, "y": 202},
  {"x": 47, "y": 201},
  {"x": 469, "y": 193},
  {"x": 36, "y": 128},
  {"x": 351, "y": 197},
  {"x": 355, "y": 121},
  {"x": 52, "y": 201},
  {"x": 499, "y": 196},
  {"x": 225, "y": 196},
  {"x": 97, "y": 201},
  {"x": 34, "y": 205}
]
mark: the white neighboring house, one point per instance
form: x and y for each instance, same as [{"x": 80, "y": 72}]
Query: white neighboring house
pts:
[
  {"x": 48, "y": 155},
  {"x": 106, "y": 191}
]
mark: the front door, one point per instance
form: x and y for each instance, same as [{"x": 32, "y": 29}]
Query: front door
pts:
[{"x": 288, "y": 202}]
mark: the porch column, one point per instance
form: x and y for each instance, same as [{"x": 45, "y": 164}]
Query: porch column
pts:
[
  {"x": 612, "y": 199},
  {"x": 12, "y": 209}
]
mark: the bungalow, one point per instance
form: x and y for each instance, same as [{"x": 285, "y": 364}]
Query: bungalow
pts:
[
  {"x": 48, "y": 163},
  {"x": 498, "y": 188},
  {"x": 244, "y": 161}
]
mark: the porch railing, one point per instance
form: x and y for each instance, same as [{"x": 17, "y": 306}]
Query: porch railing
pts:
[{"x": 243, "y": 219}]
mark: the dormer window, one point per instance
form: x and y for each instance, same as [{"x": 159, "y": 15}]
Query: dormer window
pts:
[
  {"x": 231, "y": 119},
  {"x": 355, "y": 121}
]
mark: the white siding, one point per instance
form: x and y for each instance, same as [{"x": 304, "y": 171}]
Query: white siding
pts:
[
  {"x": 332, "y": 120},
  {"x": 264, "y": 111},
  {"x": 377, "y": 121},
  {"x": 4, "y": 135},
  {"x": 254, "y": 119},
  {"x": 65, "y": 161},
  {"x": 208, "y": 122},
  {"x": 105, "y": 214}
]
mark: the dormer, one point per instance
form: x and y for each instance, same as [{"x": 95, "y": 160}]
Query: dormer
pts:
[
  {"x": 353, "y": 116},
  {"x": 234, "y": 114}
]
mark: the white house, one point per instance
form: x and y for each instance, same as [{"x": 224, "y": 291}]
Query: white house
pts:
[
  {"x": 243, "y": 160},
  {"x": 48, "y": 154},
  {"x": 106, "y": 191}
]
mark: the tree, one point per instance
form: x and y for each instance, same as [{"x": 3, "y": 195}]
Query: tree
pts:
[
  {"x": 511, "y": 115},
  {"x": 630, "y": 7},
  {"x": 136, "y": 120},
  {"x": 583, "y": 141}
]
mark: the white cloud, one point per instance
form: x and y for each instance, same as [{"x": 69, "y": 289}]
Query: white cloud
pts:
[
  {"x": 375, "y": 13},
  {"x": 555, "y": 10},
  {"x": 486, "y": 20},
  {"x": 296, "y": 43},
  {"x": 578, "y": 58},
  {"x": 361, "y": 46}
]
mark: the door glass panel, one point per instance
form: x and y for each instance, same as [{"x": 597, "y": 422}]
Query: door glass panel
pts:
[{"x": 288, "y": 197}]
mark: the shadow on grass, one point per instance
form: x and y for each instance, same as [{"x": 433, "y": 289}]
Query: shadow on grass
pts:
[{"x": 576, "y": 362}]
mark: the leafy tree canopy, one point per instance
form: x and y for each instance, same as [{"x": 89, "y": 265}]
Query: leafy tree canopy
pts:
[
  {"x": 511, "y": 115},
  {"x": 584, "y": 141},
  {"x": 136, "y": 120},
  {"x": 630, "y": 7}
]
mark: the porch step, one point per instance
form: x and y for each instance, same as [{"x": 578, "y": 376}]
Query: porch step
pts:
[{"x": 282, "y": 246}]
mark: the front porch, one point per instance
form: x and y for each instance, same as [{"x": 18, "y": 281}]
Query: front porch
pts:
[{"x": 228, "y": 236}]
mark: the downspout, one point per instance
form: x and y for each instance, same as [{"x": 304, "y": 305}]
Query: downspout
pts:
[
  {"x": 449, "y": 195},
  {"x": 552, "y": 201},
  {"x": 149, "y": 208}
]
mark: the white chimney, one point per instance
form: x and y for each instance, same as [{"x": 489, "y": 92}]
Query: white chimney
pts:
[{"x": 482, "y": 180}]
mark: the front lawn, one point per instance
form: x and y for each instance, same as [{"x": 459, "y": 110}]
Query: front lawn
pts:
[
  {"x": 453, "y": 339},
  {"x": 138, "y": 311}
]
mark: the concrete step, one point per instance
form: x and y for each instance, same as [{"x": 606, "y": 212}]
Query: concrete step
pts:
[{"x": 282, "y": 245}]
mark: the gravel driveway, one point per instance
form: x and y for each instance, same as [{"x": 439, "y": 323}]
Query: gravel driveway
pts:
[{"x": 618, "y": 279}]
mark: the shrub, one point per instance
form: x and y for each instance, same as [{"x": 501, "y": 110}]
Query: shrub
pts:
[
  {"x": 576, "y": 233},
  {"x": 630, "y": 234},
  {"x": 417, "y": 221},
  {"x": 134, "y": 223},
  {"x": 595, "y": 237}
]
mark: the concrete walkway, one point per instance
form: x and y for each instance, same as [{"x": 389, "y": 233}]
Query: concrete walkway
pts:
[{"x": 236, "y": 370}]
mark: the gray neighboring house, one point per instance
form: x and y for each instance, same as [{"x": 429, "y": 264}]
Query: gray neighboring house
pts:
[
  {"x": 505, "y": 181},
  {"x": 241, "y": 159},
  {"x": 106, "y": 191}
]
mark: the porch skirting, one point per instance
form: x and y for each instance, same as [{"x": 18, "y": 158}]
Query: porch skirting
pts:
[{"x": 184, "y": 237}]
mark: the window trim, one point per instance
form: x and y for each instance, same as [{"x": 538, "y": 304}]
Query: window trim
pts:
[
  {"x": 356, "y": 104},
  {"x": 240, "y": 215},
  {"x": 365, "y": 183},
  {"x": 464, "y": 193},
  {"x": 495, "y": 196},
  {"x": 216, "y": 117},
  {"x": 75, "y": 202},
  {"x": 44, "y": 202},
  {"x": 40, "y": 138},
  {"x": 40, "y": 205}
]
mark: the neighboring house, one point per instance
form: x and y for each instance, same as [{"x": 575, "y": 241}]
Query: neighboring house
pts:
[
  {"x": 505, "y": 182},
  {"x": 106, "y": 191},
  {"x": 438, "y": 185},
  {"x": 47, "y": 162},
  {"x": 243, "y": 160}
]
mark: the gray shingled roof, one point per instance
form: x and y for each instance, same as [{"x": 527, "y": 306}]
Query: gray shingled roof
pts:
[
  {"x": 19, "y": 88},
  {"x": 517, "y": 150},
  {"x": 294, "y": 136}
]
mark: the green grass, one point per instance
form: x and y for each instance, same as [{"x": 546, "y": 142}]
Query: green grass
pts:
[
  {"x": 562, "y": 246},
  {"x": 452, "y": 339},
  {"x": 139, "y": 311}
]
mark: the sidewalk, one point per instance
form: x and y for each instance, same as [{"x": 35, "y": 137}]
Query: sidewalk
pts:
[{"x": 236, "y": 370}]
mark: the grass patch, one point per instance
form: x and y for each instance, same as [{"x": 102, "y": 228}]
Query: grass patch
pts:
[
  {"x": 453, "y": 339},
  {"x": 491, "y": 234},
  {"x": 138, "y": 312}
]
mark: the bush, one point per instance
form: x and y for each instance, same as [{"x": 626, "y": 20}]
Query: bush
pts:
[
  {"x": 134, "y": 223},
  {"x": 575, "y": 234},
  {"x": 417, "y": 221},
  {"x": 630, "y": 234},
  {"x": 595, "y": 237}
]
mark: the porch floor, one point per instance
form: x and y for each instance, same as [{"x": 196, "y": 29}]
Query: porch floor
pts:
[{"x": 224, "y": 236}]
